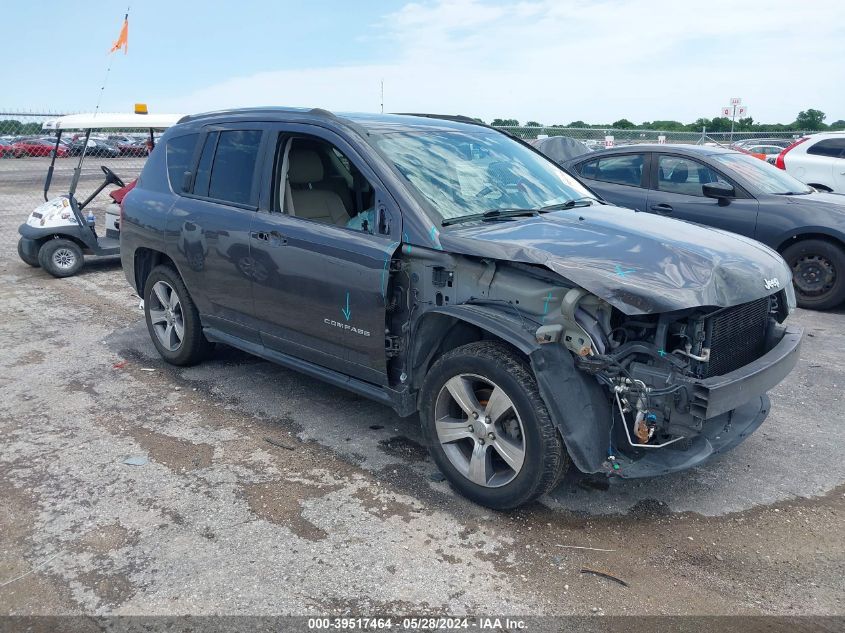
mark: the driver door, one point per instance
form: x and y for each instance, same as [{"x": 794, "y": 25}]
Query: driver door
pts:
[
  {"x": 675, "y": 192},
  {"x": 321, "y": 259}
]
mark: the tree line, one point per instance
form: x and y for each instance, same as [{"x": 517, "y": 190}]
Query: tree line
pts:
[{"x": 810, "y": 119}]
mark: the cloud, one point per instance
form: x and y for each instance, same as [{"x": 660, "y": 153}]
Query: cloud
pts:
[{"x": 557, "y": 61}]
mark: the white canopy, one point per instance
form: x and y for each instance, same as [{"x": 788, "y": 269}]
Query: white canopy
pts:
[{"x": 112, "y": 120}]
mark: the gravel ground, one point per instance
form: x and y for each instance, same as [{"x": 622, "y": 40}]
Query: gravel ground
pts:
[{"x": 266, "y": 492}]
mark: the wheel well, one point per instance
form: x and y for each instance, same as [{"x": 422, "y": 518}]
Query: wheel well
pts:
[
  {"x": 62, "y": 236},
  {"x": 448, "y": 333},
  {"x": 810, "y": 236},
  {"x": 145, "y": 260}
]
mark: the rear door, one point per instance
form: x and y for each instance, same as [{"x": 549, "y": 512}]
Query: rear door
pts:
[
  {"x": 320, "y": 284},
  {"x": 618, "y": 178},
  {"x": 826, "y": 163},
  {"x": 676, "y": 192},
  {"x": 208, "y": 227}
]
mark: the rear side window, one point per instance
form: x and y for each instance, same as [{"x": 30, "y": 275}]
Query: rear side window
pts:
[
  {"x": 180, "y": 151},
  {"x": 622, "y": 170},
  {"x": 204, "y": 166},
  {"x": 832, "y": 147},
  {"x": 234, "y": 166}
]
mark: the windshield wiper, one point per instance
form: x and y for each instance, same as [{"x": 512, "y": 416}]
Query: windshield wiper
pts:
[
  {"x": 583, "y": 201},
  {"x": 492, "y": 214}
]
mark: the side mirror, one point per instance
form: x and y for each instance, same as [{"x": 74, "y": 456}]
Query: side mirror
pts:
[{"x": 719, "y": 190}]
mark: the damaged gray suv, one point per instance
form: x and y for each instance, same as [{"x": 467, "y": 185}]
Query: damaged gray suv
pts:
[{"x": 440, "y": 266}]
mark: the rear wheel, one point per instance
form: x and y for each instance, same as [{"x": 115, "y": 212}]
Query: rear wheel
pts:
[
  {"x": 25, "y": 257},
  {"x": 818, "y": 273},
  {"x": 487, "y": 427},
  {"x": 60, "y": 257},
  {"x": 172, "y": 318}
]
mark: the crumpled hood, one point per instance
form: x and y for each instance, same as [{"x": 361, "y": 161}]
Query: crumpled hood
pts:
[{"x": 638, "y": 262}]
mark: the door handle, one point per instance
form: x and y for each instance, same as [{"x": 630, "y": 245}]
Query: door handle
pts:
[
  {"x": 662, "y": 208},
  {"x": 260, "y": 235}
]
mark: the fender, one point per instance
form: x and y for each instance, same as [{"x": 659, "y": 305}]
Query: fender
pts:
[{"x": 585, "y": 427}]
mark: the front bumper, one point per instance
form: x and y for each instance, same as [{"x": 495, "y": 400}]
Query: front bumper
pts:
[
  {"x": 714, "y": 396},
  {"x": 728, "y": 407},
  {"x": 718, "y": 435}
]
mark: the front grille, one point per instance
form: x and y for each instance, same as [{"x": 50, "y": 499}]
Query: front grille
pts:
[{"x": 737, "y": 336}]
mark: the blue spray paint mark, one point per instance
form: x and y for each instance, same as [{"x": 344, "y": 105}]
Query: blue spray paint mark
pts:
[
  {"x": 346, "y": 311},
  {"x": 407, "y": 240},
  {"x": 546, "y": 307},
  {"x": 433, "y": 235},
  {"x": 661, "y": 353},
  {"x": 621, "y": 272}
]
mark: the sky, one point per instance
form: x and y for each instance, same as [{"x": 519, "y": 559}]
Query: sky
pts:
[{"x": 552, "y": 61}]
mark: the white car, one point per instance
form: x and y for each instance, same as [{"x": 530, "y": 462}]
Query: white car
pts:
[{"x": 818, "y": 160}]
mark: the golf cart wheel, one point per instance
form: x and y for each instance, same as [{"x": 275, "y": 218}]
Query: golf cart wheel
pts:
[
  {"x": 60, "y": 257},
  {"x": 488, "y": 429},
  {"x": 172, "y": 318},
  {"x": 25, "y": 257},
  {"x": 818, "y": 273}
]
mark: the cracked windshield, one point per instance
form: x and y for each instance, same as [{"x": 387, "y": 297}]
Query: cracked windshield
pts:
[{"x": 462, "y": 174}]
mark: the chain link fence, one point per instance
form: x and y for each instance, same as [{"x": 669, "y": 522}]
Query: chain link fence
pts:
[
  {"x": 597, "y": 138},
  {"x": 26, "y": 150}
]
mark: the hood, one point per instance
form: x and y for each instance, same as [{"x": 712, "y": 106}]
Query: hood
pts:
[{"x": 638, "y": 262}]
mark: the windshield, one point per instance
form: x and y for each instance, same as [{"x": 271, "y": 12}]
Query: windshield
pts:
[
  {"x": 765, "y": 177},
  {"x": 467, "y": 173}
]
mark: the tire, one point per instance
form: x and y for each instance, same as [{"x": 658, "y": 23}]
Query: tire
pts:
[
  {"x": 167, "y": 317},
  {"x": 31, "y": 261},
  {"x": 60, "y": 257},
  {"x": 518, "y": 421},
  {"x": 818, "y": 273}
]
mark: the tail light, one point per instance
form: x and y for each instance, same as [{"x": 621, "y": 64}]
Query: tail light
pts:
[{"x": 779, "y": 163}]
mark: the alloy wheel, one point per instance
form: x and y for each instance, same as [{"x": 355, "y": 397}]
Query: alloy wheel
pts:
[
  {"x": 480, "y": 430},
  {"x": 166, "y": 316}
]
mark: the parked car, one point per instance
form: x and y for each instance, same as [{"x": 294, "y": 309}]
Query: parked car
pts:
[
  {"x": 99, "y": 148},
  {"x": 8, "y": 150},
  {"x": 818, "y": 160},
  {"x": 735, "y": 192},
  {"x": 130, "y": 146},
  {"x": 778, "y": 142},
  {"x": 440, "y": 266},
  {"x": 768, "y": 153},
  {"x": 560, "y": 148},
  {"x": 38, "y": 147}
]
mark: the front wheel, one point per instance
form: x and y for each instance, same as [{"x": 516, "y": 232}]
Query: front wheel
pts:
[
  {"x": 60, "y": 257},
  {"x": 488, "y": 429},
  {"x": 818, "y": 273},
  {"x": 172, "y": 318}
]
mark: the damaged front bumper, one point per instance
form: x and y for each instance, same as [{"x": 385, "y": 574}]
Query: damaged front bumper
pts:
[{"x": 728, "y": 409}]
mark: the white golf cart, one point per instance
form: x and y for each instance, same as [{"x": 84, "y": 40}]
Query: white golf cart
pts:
[{"x": 57, "y": 235}]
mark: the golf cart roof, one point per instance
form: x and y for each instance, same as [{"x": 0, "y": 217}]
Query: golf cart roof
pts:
[{"x": 112, "y": 120}]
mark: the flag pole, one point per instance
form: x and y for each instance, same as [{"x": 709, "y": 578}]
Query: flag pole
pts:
[{"x": 108, "y": 69}]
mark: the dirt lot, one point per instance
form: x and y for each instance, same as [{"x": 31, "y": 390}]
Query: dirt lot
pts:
[{"x": 270, "y": 493}]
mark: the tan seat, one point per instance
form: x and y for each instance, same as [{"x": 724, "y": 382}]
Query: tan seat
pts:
[{"x": 310, "y": 200}]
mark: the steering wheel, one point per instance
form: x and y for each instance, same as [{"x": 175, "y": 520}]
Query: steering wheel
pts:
[{"x": 111, "y": 177}]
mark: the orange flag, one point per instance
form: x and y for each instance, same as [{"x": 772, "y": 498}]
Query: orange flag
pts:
[{"x": 123, "y": 38}]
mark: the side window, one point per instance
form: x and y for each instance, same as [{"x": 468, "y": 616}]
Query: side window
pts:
[
  {"x": 316, "y": 181},
  {"x": 682, "y": 175},
  {"x": 234, "y": 166},
  {"x": 832, "y": 147},
  {"x": 204, "y": 167},
  {"x": 622, "y": 170},
  {"x": 180, "y": 151}
]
